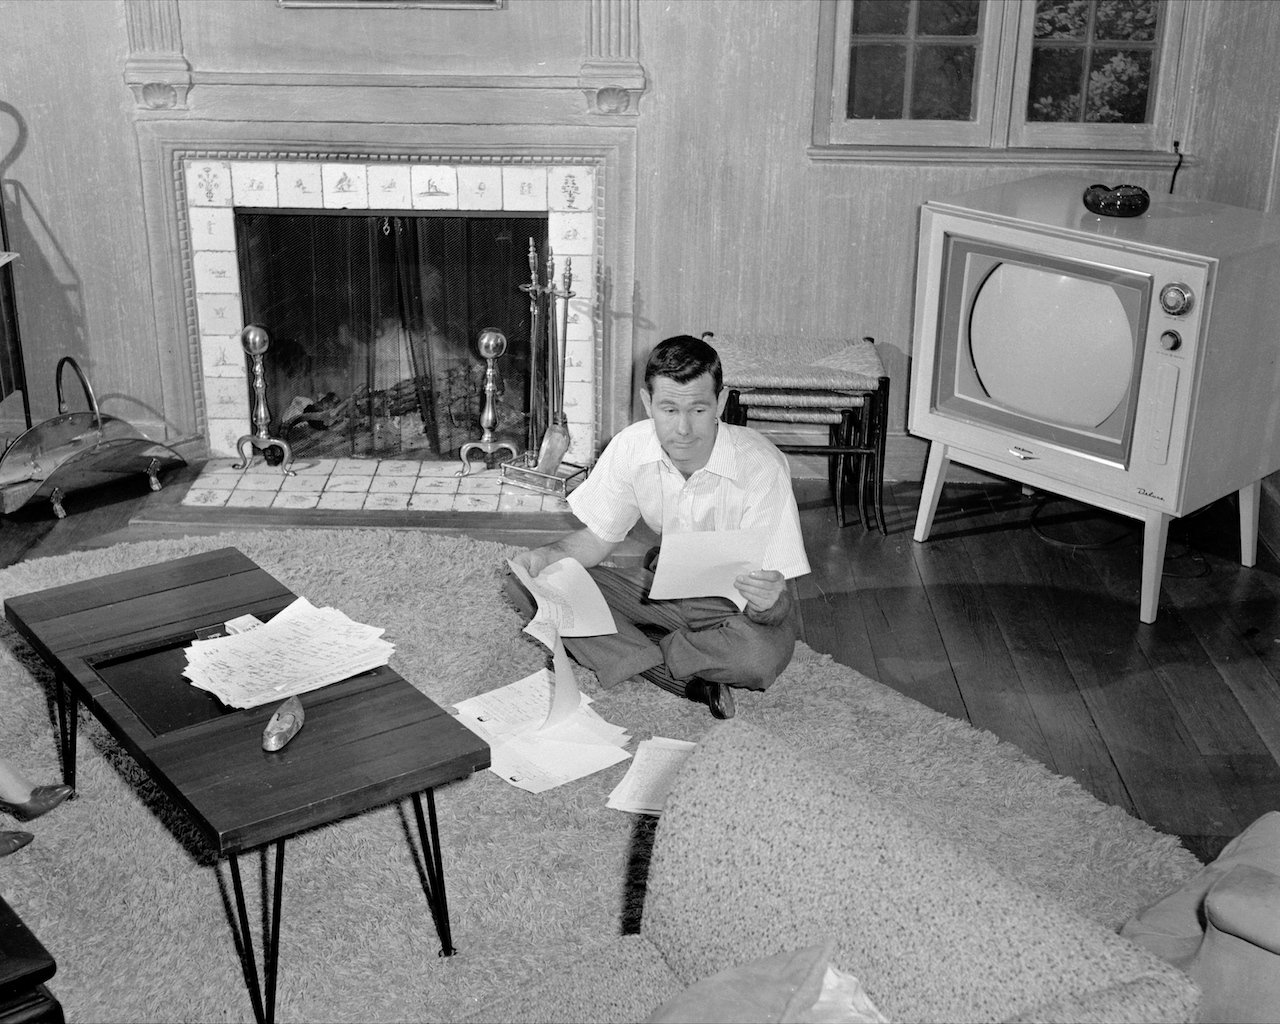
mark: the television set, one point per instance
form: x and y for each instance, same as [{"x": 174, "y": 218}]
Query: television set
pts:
[{"x": 1130, "y": 363}]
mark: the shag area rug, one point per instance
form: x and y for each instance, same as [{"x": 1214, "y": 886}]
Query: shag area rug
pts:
[{"x": 118, "y": 890}]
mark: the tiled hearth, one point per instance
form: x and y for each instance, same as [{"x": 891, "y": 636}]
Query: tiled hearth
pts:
[
  {"x": 215, "y": 188},
  {"x": 368, "y": 485}
]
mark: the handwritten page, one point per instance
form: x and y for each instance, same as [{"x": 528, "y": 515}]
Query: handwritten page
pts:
[
  {"x": 527, "y": 755},
  {"x": 542, "y": 764},
  {"x": 301, "y": 649},
  {"x": 568, "y": 598},
  {"x": 508, "y": 709},
  {"x": 644, "y": 789},
  {"x": 705, "y": 564}
]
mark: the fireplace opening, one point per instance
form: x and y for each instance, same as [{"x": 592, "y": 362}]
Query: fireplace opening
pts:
[{"x": 373, "y": 320}]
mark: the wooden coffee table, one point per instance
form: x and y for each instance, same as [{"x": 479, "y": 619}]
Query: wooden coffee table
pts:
[{"x": 116, "y": 644}]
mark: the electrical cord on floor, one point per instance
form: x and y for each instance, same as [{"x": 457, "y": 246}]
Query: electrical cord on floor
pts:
[
  {"x": 1042, "y": 501},
  {"x": 1203, "y": 567},
  {"x": 1174, "y": 551}
]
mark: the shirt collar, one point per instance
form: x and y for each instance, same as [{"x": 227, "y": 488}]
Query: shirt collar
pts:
[
  {"x": 723, "y": 461},
  {"x": 724, "y": 456}
]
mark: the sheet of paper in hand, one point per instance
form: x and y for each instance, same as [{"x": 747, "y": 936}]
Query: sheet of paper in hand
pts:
[
  {"x": 568, "y": 599},
  {"x": 705, "y": 564}
]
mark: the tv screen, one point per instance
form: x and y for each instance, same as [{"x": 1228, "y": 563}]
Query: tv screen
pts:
[{"x": 1045, "y": 347}]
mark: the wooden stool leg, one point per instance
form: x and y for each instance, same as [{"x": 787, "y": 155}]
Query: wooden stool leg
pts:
[
  {"x": 835, "y": 472},
  {"x": 849, "y": 429},
  {"x": 877, "y": 410},
  {"x": 733, "y": 410},
  {"x": 860, "y": 436}
]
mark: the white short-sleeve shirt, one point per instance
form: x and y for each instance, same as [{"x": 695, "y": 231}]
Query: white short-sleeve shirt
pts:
[{"x": 745, "y": 484}]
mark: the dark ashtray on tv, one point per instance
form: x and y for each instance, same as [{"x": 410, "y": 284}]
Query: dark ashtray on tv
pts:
[{"x": 1117, "y": 201}]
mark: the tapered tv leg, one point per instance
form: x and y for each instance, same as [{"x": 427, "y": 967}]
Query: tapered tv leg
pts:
[
  {"x": 1154, "y": 536},
  {"x": 935, "y": 471},
  {"x": 1249, "y": 502}
]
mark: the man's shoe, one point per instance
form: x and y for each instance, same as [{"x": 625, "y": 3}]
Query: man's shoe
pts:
[
  {"x": 716, "y": 696},
  {"x": 12, "y": 842},
  {"x": 42, "y": 800}
]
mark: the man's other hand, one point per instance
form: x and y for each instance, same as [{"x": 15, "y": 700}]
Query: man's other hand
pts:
[
  {"x": 535, "y": 560},
  {"x": 761, "y": 588}
]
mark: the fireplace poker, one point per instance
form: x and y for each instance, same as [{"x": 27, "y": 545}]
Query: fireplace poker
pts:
[
  {"x": 534, "y": 288},
  {"x": 553, "y": 341},
  {"x": 564, "y": 327},
  {"x": 555, "y": 442}
]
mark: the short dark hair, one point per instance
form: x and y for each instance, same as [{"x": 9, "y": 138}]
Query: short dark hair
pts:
[{"x": 682, "y": 359}]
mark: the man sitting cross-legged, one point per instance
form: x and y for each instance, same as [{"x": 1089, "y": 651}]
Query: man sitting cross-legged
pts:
[{"x": 682, "y": 470}]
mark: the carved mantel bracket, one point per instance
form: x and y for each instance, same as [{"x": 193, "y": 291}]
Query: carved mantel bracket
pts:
[
  {"x": 156, "y": 70},
  {"x": 612, "y": 77}
]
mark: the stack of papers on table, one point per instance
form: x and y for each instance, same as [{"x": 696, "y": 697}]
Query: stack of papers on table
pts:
[
  {"x": 302, "y": 648},
  {"x": 645, "y": 787},
  {"x": 529, "y": 752}
]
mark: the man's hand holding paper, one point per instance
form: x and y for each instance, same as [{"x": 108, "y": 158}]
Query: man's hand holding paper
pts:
[
  {"x": 761, "y": 588},
  {"x": 717, "y": 563}
]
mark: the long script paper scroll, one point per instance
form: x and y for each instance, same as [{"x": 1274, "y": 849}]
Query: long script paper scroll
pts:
[{"x": 540, "y": 739}]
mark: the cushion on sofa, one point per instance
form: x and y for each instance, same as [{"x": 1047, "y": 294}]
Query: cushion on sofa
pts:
[
  {"x": 1173, "y": 926},
  {"x": 758, "y": 850},
  {"x": 779, "y": 989},
  {"x": 799, "y": 987}
]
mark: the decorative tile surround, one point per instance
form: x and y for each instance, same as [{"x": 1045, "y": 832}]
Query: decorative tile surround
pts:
[
  {"x": 214, "y": 188},
  {"x": 369, "y": 485}
]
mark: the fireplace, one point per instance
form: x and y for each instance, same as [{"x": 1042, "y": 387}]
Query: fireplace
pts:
[
  {"x": 373, "y": 320},
  {"x": 225, "y": 202}
]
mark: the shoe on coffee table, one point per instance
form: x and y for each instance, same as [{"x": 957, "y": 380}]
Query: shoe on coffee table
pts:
[{"x": 716, "y": 696}]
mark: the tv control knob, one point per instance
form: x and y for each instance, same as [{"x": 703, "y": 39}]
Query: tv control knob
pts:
[
  {"x": 1176, "y": 299},
  {"x": 1171, "y": 341}
]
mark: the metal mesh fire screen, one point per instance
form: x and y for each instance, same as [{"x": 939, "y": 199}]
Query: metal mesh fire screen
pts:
[{"x": 373, "y": 321}]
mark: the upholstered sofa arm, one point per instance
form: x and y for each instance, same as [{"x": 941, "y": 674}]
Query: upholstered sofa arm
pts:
[
  {"x": 760, "y": 851},
  {"x": 1245, "y": 903}
]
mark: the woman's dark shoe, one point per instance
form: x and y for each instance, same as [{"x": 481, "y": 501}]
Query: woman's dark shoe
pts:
[
  {"x": 12, "y": 842},
  {"x": 716, "y": 696},
  {"x": 42, "y": 800}
]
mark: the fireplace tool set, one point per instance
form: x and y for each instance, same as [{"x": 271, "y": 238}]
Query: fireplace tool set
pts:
[{"x": 542, "y": 466}]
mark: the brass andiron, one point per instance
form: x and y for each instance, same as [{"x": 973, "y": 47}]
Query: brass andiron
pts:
[
  {"x": 491, "y": 344},
  {"x": 255, "y": 341}
]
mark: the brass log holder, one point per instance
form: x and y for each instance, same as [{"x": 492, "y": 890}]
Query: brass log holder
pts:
[
  {"x": 491, "y": 345},
  {"x": 542, "y": 467},
  {"x": 255, "y": 341}
]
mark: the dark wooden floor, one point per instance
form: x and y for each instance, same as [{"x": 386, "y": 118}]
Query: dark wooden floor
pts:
[{"x": 1019, "y": 615}]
